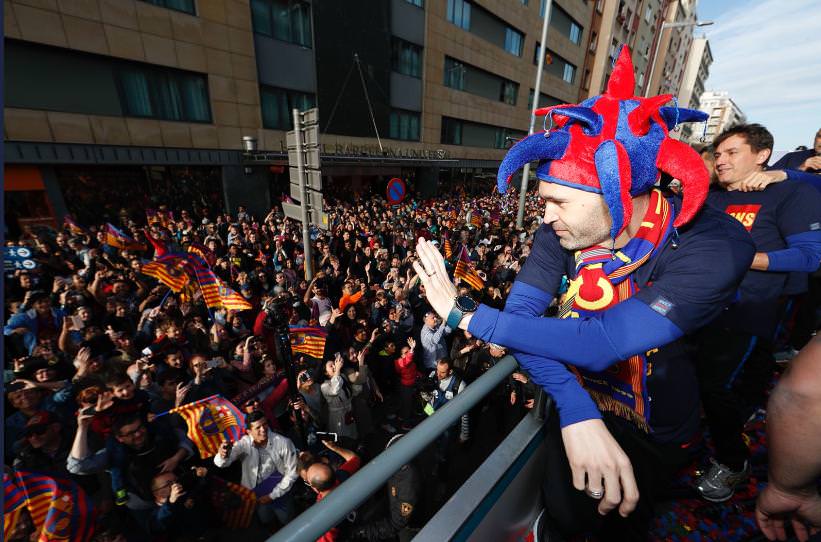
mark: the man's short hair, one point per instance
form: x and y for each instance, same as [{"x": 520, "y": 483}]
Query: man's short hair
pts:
[
  {"x": 170, "y": 375},
  {"x": 125, "y": 419},
  {"x": 444, "y": 361},
  {"x": 254, "y": 416},
  {"x": 756, "y": 136},
  {"x": 324, "y": 477},
  {"x": 117, "y": 379}
]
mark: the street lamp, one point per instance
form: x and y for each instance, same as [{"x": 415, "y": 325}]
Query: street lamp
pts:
[
  {"x": 537, "y": 90},
  {"x": 665, "y": 26}
]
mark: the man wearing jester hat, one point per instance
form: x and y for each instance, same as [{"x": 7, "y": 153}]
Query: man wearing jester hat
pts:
[{"x": 644, "y": 269}]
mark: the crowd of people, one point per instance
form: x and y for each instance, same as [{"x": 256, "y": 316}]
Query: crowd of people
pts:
[
  {"x": 100, "y": 354},
  {"x": 98, "y": 351}
]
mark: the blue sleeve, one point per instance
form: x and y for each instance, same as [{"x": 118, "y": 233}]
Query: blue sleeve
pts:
[
  {"x": 686, "y": 295},
  {"x": 593, "y": 343},
  {"x": 803, "y": 253},
  {"x": 535, "y": 287},
  {"x": 812, "y": 179}
]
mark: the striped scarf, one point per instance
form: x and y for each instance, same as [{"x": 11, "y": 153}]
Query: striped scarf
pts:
[{"x": 604, "y": 279}]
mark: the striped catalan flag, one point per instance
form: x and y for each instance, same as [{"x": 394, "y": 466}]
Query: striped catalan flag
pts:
[
  {"x": 476, "y": 219},
  {"x": 73, "y": 227},
  {"x": 466, "y": 271},
  {"x": 209, "y": 286},
  {"x": 231, "y": 300},
  {"x": 170, "y": 273},
  {"x": 59, "y": 508},
  {"x": 117, "y": 239},
  {"x": 448, "y": 249},
  {"x": 210, "y": 421},
  {"x": 235, "y": 502},
  {"x": 309, "y": 341},
  {"x": 203, "y": 252}
]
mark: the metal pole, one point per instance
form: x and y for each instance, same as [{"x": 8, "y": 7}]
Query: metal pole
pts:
[
  {"x": 303, "y": 190},
  {"x": 320, "y": 517},
  {"x": 653, "y": 62},
  {"x": 520, "y": 215}
]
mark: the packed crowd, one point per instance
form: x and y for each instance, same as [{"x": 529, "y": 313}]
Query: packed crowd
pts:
[{"x": 98, "y": 352}]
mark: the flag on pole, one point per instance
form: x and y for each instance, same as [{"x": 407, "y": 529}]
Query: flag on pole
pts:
[
  {"x": 169, "y": 272},
  {"x": 117, "y": 239},
  {"x": 73, "y": 227},
  {"x": 235, "y": 502},
  {"x": 309, "y": 341},
  {"x": 59, "y": 508},
  {"x": 216, "y": 294},
  {"x": 466, "y": 271},
  {"x": 210, "y": 421}
]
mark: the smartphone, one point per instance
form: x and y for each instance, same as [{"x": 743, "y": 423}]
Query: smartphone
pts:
[
  {"x": 77, "y": 323},
  {"x": 322, "y": 435},
  {"x": 214, "y": 363},
  {"x": 89, "y": 411}
]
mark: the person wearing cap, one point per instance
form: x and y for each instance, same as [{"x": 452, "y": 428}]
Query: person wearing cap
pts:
[
  {"x": 45, "y": 447},
  {"x": 645, "y": 269}
]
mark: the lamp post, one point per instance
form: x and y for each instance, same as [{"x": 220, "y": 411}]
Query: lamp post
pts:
[
  {"x": 665, "y": 26},
  {"x": 537, "y": 90}
]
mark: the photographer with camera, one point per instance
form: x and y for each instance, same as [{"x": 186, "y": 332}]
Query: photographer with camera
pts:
[{"x": 182, "y": 506}]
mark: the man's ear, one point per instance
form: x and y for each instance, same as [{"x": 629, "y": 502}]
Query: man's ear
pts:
[{"x": 762, "y": 156}]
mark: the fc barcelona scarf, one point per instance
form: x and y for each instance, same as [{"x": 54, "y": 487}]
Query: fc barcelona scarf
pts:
[{"x": 604, "y": 279}]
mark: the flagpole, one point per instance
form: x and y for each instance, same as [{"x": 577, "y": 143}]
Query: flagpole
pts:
[{"x": 186, "y": 405}]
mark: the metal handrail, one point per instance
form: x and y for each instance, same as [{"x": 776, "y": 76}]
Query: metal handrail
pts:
[{"x": 324, "y": 515}]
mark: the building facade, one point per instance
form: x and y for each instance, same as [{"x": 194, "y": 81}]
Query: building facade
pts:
[
  {"x": 135, "y": 95},
  {"x": 696, "y": 73},
  {"x": 723, "y": 113}
]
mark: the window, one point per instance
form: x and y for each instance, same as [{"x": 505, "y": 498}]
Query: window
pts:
[
  {"x": 417, "y": 3},
  {"x": 555, "y": 65},
  {"x": 454, "y": 74},
  {"x": 451, "y": 131},
  {"x": 459, "y": 13},
  {"x": 575, "y": 33},
  {"x": 461, "y": 76},
  {"x": 545, "y": 100},
  {"x": 277, "y": 106},
  {"x": 404, "y": 125},
  {"x": 158, "y": 93},
  {"x": 509, "y": 92},
  {"x": 286, "y": 20},
  {"x": 513, "y": 41},
  {"x": 474, "y": 134},
  {"x": 406, "y": 58},
  {"x": 569, "y": 73},
  {"x": 186, "y": 6}
]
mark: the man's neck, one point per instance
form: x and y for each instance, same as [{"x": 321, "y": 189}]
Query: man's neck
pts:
[{"x": 640, "y": 204}]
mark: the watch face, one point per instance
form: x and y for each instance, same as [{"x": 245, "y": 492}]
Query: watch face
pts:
[{"x": 466, "y": 303}]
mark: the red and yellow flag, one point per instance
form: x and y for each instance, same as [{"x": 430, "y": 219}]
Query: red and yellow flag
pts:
[
  {"x": 210, "y": 421},
  {"x": 466, "y": 271},
  {"x": 117, "y": 239},
  {"x": 309, "y": 341},
  {"x": 236, "y": 503},
  {"x": 58, "y": 507}
]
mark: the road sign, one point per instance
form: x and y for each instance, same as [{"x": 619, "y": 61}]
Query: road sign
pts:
[
  {"x": 310, "y": 116},
  {"x": 18, "y": 258},
  {"x": 316, "y": 217},
  {"x": 319, "y": 219},
  {"x": 310, "y": 137},
  {"x": 292, "y": 211},
  {"x": 313, "y": 178},
  {"x": 396, "y": 191},
  {"x": 314, "y": 197}
]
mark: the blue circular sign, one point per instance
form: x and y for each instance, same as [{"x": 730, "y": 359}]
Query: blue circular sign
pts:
[{"x": 396, "y": 190}]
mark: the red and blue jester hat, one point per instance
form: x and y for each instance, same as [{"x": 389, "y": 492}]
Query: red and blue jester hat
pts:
[{"x": 615, "y": 145}]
